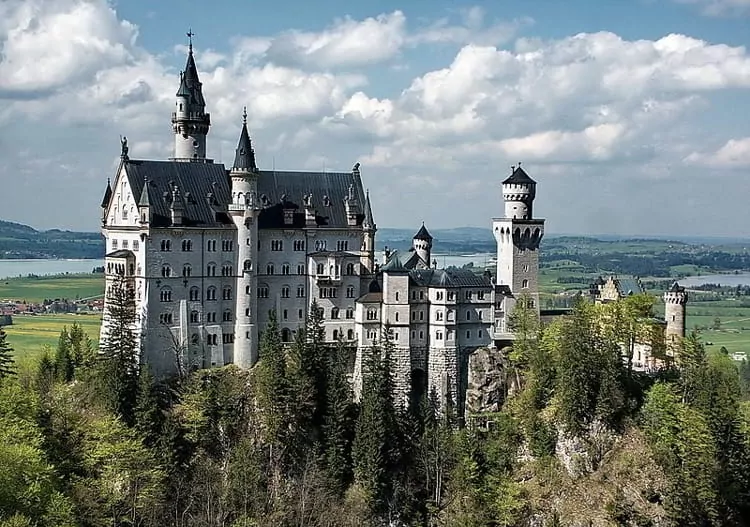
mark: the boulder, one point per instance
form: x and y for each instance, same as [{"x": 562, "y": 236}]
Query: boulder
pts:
[{"x": 486, "y": 382}]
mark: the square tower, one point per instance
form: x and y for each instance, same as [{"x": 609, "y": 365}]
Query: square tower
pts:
[{"x": 518, "y": 236}]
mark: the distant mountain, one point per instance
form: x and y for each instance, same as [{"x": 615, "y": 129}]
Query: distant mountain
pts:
[{"x": 21, "y": 241}]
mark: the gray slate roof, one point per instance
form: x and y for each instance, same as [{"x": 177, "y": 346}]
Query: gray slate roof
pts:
[
  {"x": 196, "y": 181},
  {"x": 294, "y": 186},
  {"x": 244, "y": 156},
  {"x": 448, "y": 278},
  {"x": 423, "y": 234},
  {"x": 519, "y": 176},
  {"x": 629, "y": 286},
  {"x": 394, "y": 264}
]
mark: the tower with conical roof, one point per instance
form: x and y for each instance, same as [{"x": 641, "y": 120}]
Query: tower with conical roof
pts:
[
  {"x": 244, "y": 212},
  {"x": 422, "y": 245},
  {"x": 518, "y": 235},
  {"x": 190, "y": 122}
]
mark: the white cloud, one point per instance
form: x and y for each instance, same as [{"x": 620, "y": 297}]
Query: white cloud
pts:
[
  {"x": 48, "y": 45},
  {"x": 735, "y": 153}
]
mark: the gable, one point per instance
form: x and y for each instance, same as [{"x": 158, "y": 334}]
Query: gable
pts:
[{"x": 122, "y": 209}]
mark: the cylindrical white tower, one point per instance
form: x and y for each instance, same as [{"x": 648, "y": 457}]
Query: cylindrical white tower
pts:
[
  {"x": 519, "y": 191},
  {"x": 422, "y": 244},
  {"x": 190, "y": 122},
  {"x": 675, "y": 311},
  {"x": 244, "y": 212}
]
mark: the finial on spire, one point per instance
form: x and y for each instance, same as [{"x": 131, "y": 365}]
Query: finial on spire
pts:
[
  {"x": 244, "y": 115},
  {"x": 519, "y": 164},
  {"x": 190, "y": 36}
]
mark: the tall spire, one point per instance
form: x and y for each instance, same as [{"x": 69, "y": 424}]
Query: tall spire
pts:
[
  {"x": 244, "y": 157},
  {"x": 190, "y": 121},
  {"x": 368, "y": 222}
]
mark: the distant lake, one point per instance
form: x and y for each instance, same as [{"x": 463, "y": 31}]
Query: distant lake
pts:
[
  {"x": 14, "y": 268},
  {"x": 729, "y": 280}
]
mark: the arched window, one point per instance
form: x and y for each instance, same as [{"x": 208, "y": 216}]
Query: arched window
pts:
[
  {"x": 286, "y": 335},
  {"x": 285, "y": 292},
  {"x": 227, "y": 316},
  {"x": 524, "y": 284},
  {"x": 320, "y": 269},
  {"x": 335, "y": 334},
  {"x": 187, "y": 270},
  {"x": 187, "y": 245},
  {"x": 227, "y": 293},
  {"x": 211, "y": 293},
  {"x": 350, "y": 269},
  {"x": 165, "y": 295},
  {"x": 166, "y": 271},
  {"x": 247, "y": 266},
  {"x": 350, "y": 334},
  {"x": 396, "y": 317},
  {"x": 350, "y": 291},
  {"x": 166, "y": 245},
  {"x": 211, "y": 269},
  {"x": 227, "y": 270},
  {"x": 300, "y": 268},
  {"x": 269, "y": 269},
  {"x": 195, "y": 294},
  {"x": 372, "y": 314},
  {"x": 285, "y": 269},
  {"x": 195, "y": 317},
  {"x": 335, "y": 312}
]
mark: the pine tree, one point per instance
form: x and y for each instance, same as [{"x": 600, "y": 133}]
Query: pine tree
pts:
[
  {"x": 64, "y": 367},
  {"x": 272, "y": 385},
  {"x": 45, "y": 374},
  {"x": 7, "y": 366},
  {"x": 338, "y": 421},
  {"x": 120, "y": 351}
]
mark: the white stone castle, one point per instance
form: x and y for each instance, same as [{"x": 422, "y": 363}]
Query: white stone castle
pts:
[{"x": 211, "y": 252}]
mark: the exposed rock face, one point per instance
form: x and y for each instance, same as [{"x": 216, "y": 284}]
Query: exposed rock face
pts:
[
  {"x": 582, "y": 455},
  {"x": 486, "y": 382}
]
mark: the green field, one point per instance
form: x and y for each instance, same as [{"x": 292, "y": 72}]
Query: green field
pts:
[
  {"x": 36, "y": 289},
  {"x": 30, "y": 333}
]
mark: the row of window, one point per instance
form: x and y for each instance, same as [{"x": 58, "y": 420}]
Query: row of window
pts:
[
  {"x": 299, "y": 245},
  {"x": 286, "y": 269},
  {"x": 187, "y": 245},
  {"x": 439, "y": 295},
  {"x": 165, "y": 294},
  {"x": 125, "y": 244}
]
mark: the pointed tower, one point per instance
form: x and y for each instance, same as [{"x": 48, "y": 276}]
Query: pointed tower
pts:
[
  {"x": 518, "y": 235},
  {"x": 244, "y": 212},
  {"x": 369, "y": 229},
  {"x": 190, "y": 122},
  {"x": 422, "y": 244}
]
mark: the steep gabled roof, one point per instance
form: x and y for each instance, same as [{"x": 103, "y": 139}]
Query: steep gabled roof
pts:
[
  {"x": 204, "y": 190},
  {"x": 326, "y": 191},
  {"x": 368, "y": 221},
  {"x": 519, "y": 176},
  {"x": 394, "y": 265},
  {"x": 676, "y": 288}
]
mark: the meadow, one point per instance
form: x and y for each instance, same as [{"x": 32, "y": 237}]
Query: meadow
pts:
[{"x": 38, "y": 288}]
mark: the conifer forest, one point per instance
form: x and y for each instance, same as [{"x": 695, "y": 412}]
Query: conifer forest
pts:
[{"x": 89, "y": 438}]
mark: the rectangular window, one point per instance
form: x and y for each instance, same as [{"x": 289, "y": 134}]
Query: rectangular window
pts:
[
  {"x": 342, "y": 245},
  {"x": 136, "y": 245},
  {"x": 114, "y": 244},
  {"x": 124, "y": 244},
  {"x": 299, "y": 245}
]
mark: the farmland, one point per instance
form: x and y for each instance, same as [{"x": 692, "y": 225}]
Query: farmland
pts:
[{"x": 34, "y": 289}]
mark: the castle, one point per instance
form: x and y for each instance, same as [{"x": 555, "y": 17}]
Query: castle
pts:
[{"x": 211, "y": 252}]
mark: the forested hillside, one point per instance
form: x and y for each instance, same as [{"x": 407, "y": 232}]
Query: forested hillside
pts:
[
  {"x": 581, "y": 440},
  {"x": 22, "y": 241}
]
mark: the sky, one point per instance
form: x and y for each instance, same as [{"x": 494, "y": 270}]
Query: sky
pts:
[{"x": 632, "y": 116}]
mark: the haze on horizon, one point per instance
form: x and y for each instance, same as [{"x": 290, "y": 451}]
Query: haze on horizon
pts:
[{"x": 630, "y": 116}]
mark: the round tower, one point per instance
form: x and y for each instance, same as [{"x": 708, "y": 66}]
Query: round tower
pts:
[
  {"x": 244, "y": 211},
  {"x": 519, "y": 191},
  {"x": 422, "y": 244},
  {"x": 190, "y": 122},
  {"x": 675, "y": 310}
]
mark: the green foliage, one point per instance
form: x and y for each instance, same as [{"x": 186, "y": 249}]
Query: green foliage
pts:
[{"x": 6, "y": 356}]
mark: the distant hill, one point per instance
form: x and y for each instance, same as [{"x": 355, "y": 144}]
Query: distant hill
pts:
[{"x": 21, "y": 241}]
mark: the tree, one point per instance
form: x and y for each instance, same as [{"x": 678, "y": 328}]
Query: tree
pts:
[
  {"x": 338, "y": 421},
  {"x": 7, "y": 366},
  {"x": 375, "y": 451},
  {"x": 120, "y": 351},
  {"x": 63, "y": 364}
]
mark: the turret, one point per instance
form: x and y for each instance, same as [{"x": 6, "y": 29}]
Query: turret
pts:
[
  {"x": 519, "y": 191},
  {"x": 351, "y": 203},
  {"x": 244, "y": 211},
  {"x": 422, "y": 244},
  {"x": 368, "y": 240},
  {"x": 675, "y": 310},
  {"x": 144, "y": 205},
  {"x": 105, "y": 201},
  {"x": 190, "y": 122}
]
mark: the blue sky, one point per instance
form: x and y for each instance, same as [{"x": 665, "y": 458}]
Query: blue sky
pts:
[{"x": 631, "y": 115}]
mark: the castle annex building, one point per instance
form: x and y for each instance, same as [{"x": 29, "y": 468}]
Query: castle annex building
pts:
[{"x": 211, "y": 251}]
